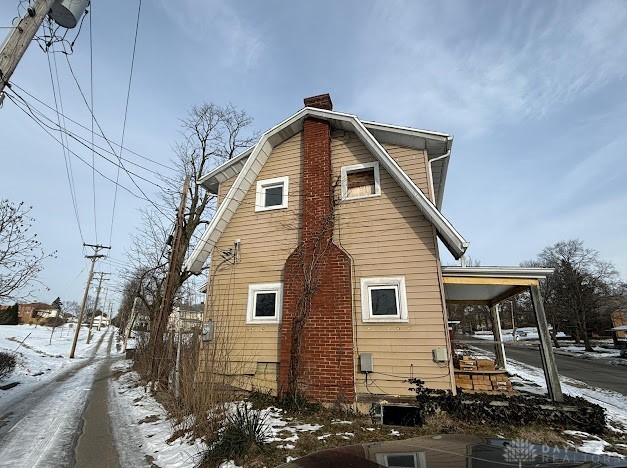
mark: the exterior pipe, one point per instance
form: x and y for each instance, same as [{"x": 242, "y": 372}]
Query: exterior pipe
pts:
[{"x": 445, "y": 155}]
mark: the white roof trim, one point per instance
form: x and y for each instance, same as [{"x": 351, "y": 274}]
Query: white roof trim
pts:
[
  {"x": 456, "y": 244},
  {"x": 497, "y": 272}
]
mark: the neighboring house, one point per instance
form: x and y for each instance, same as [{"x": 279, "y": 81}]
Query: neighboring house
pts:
[
  {"x": 185, "y": 319},
  {"x": 36, "y": 310},
  {"x": 325, "y": 267}
]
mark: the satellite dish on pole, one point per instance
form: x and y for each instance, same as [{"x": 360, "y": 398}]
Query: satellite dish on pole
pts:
[{"x": 67, "y": 13}]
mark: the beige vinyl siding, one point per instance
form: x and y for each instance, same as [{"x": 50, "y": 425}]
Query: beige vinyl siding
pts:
[
  {"x": 266, "y": 238},
  {"x": 387, "y": 236}
]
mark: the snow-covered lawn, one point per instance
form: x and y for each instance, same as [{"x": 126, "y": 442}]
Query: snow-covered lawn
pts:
[
  {"x": 522, "y": 334},
  {"x": 39, "y": 358}
]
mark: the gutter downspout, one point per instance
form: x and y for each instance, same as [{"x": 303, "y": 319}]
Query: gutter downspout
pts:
[{"x": 432, "y": 190}]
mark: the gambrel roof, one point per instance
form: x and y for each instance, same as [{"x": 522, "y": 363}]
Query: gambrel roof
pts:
[{"x": 248, "y": 165}]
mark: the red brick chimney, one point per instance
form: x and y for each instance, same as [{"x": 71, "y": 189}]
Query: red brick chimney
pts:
[{"x": 317, "y": 305}]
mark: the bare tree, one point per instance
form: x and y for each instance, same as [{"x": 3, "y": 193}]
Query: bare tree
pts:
[
  {"x": 581, "y": 288},
  {"x": 211, "y": 135},
  {"x": 21, "y": 255}
]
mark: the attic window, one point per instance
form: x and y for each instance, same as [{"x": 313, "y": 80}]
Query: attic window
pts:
[
  {"x": 361, "y": 181},
  {"x": 271, "y": 194}
]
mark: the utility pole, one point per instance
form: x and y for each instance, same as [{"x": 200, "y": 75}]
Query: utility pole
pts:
[
  {"x": 131, "y": 322},
  {"x": 104, "y": 306},
  {"x": 97, "y": 248},
  {"x": 19, "y": 39},
  {"x": 93, "y": 314},
  {"x": 158, "y": 327}
]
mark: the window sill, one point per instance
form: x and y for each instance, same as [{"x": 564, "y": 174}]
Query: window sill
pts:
[
  {"x": 269, "y": 208},
  {"x": 385, "y": 320},
  {"x": 363, "y": 197}
]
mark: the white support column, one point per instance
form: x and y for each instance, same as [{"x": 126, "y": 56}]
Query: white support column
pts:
[
  {"x": 499, "y": 348},
  {"x": 546, "y": 349}
]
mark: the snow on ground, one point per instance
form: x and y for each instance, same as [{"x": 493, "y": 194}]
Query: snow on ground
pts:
[
  {"x": 40, "y": 359},
  {"x": 522, "y": 334},
  {"x": 142, "y": 427},
  {"x": 39, "y": 417}
]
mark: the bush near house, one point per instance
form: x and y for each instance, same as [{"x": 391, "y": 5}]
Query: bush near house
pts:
[
  {"x": 7, "y": 364},
  {"x": 9, "y": 316}
]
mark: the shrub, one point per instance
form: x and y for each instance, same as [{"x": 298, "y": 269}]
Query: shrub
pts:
[
  {"x": 8, "y": 316},
  {"x": 7, "y": 364},
  {"x": 245, "y": 432}
]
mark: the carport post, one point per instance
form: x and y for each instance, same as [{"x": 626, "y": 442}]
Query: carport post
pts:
[
  {"x": 546, "y": 349},
  {"x": 499, "y": 347}
]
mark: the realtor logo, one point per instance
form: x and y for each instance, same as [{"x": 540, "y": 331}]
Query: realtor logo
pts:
[{"x": 519, "y": 451}]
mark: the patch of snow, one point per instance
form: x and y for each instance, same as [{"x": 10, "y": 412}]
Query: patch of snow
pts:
[
  {"x": 394, "y": 432},
  {"x": 132, "y": 403},
  {"x": 229, "y": 464},
  {"x": 337, "y": 421},
  {"x": 286, "y": 446},
  {"x": 290, "y": 459},
  {"x": 369, "y": 429},
  {"x": 591, "y": 444}
]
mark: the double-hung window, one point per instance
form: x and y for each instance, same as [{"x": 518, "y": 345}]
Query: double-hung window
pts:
[
  {"x": 264, "y": 303},
  {"x": 360, "y": 181},
  {"x": 271, "y": 194},
  {"x": 383, "y": 299}
]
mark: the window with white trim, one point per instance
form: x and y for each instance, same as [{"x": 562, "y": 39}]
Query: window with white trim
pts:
[
  {"x": 272, "y": 194},
  {"x": 360, "y": 181},
  {"x": 264, "y": 303},
  {"x": 383, "y": 299}
]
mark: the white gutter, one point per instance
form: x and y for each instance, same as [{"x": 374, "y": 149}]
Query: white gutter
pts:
[{"x": 431, "y": 188}]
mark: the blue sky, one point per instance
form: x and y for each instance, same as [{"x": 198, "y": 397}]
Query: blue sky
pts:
[{"x": 534, "y": 93}]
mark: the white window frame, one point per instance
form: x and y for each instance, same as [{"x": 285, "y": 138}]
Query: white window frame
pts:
[
  {"x": 253, "y": 290},
  {"x": 420, "y": 460},
  {"x": 358, "y": 167},
  {"x": 368, "y": 284},
  {"x": 263, "y": 185}
]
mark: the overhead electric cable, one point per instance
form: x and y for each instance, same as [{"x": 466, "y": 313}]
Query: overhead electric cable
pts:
[
  {"x": 65, "y": 147},
  {"x": 81, "y": 141},
  {"x": 97, "y": 134},
  {"x": 46, "y": 129},
  {"x": 91, "y": 95},
  {"x": 128, "y": 173},
  {"x": 128, "y": 96}
]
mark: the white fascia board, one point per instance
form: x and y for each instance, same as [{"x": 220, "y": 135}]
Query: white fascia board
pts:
[
  {"x": 454, "y": 241},
  {"x": 407, "y": 130},
  {"x": 456, "y": 244},
  {"x": 258, "y": 157},
  {"x": 497, "y": 272},
  {"x": 223, "y": 169}
]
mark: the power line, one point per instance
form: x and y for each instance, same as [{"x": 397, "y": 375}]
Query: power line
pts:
[
  {"x": 44, "y": 127},
  {"x": 128, "y": 96},
  {"x": 81, "y": 141},
  {"x": 91, "y": 95},
  {"x": 68, "y": 171},
  {"x": 101, "y": 136},
  {"x": 128, "y": 173}
]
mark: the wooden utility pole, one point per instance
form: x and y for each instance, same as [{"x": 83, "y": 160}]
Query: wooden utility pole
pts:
[
  {"x": 93, "y": 314},
  {"x": 131, "y": 322},
  {"x": 97, "y": 248},
  {"x": 157, "y": 328},
  {"x": 19, "y": 39}
]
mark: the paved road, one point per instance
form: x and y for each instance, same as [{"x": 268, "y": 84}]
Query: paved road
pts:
[
  {"x": 596, "y": 373},
  {"x": 46, "y": 427}
]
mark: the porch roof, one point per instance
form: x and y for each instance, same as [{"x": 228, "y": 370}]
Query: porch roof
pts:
[{"x": 488, "y": 285}]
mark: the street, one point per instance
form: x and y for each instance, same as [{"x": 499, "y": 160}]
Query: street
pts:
[
  {"x": 594, "y": 372},
  {"x": 64, "y": 422}
]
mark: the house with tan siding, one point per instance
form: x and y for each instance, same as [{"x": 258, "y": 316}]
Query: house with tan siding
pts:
[{"x": 324, "y": 274}]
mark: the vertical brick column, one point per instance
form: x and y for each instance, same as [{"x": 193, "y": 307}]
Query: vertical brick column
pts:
[{"x": 327, "y": 364}]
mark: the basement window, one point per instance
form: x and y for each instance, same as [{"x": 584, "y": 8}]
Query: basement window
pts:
[
  {"x": 383, "y": 299},
  {"x": 264, "y": 303},
  {"x": 360, "y": 181},
  {"x": 271, "y": 194}
]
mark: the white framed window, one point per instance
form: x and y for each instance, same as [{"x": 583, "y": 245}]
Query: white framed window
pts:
[
  {"x": 264, "y": 303},
  {"x": 360, "y": 181},
  {"x": 383, "y": 299},
  {"x": 402, "y": 459},
  {"x": 272, "y": 194}
]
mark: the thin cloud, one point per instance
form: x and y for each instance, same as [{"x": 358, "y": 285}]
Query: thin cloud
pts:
[
  {"x": 219, "y": 25},
  {"x": 426, "y": 64}
]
